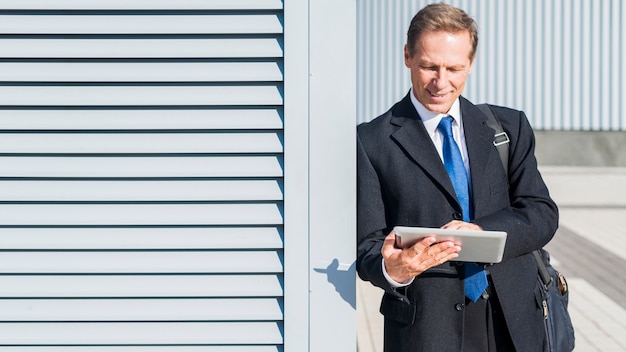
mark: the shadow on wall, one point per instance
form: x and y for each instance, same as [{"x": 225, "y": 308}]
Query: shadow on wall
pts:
[{"x": 343, "y": 280}]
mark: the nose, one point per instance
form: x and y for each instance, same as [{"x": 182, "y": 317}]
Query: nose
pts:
[{"x": 441, "y": 78}]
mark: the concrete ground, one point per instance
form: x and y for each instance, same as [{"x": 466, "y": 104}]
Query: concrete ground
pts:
[{"x": 589, "y": 249}]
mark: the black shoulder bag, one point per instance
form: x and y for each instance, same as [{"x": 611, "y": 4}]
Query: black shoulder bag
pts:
[{"x": 554, "y": 293}]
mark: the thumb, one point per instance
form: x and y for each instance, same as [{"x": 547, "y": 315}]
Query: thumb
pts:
[{"x": 389, "y": 247}]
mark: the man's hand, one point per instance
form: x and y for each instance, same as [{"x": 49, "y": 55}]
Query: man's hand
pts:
[
  {"x": 461, "y": 225},
  {"x": 404, "y": 264}
]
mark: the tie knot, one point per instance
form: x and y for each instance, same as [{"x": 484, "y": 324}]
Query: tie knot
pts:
[{"x": 445, "y": 126}]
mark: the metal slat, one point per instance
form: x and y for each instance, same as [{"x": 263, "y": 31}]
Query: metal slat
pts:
[
  {"x": 160, "y": 48},
  {"x": 180, "y": 166},
  {"x": 101, "y": 310},
  {"x": 138, "y": 143},
  {"x": 141, "y": 5},
  {"x": 99, "y": 191},
  {"x": 145, "y": 24},
  {"x": 140, "y": 95},
  {"x": 259, "y": 348},
  {"x": 103, "y": 119},
  {"x": 126, "y": 286},
  {"x": 140, "y": 238},
  {"x": 140, "y": 333},
  {"x": 141, "y": 262},
  {"x": 140, "y": 72},
  {"x": 139, "y": 214}
]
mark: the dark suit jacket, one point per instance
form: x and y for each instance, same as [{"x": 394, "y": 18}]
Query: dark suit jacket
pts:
[{"x": 402, "y": 181}]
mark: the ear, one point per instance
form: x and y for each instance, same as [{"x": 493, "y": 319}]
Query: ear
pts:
[
  {"x": 407, "y": 56},
  {"x": 471, "y": 65}
]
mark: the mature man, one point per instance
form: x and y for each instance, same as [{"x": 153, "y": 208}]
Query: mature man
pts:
[{"x": 405, "y": 165}]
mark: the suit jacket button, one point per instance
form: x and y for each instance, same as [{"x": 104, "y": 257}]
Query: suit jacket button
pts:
[
  {"x": 459, "y": 306},
  {"x": 457, "y": 216}
]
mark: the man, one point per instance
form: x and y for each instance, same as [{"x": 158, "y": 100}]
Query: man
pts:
[{"x": 403, "y": 180}]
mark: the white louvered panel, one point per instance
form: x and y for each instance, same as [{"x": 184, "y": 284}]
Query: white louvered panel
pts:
[
  {"x": 140, "y": 71},
  {"x": 139, "y": 214},
  {"x": 140, "y": 95},
  {"x": 85, "y": 286},
  {"x": 166, "y": 236},
  {"x": 141, "y": 5},
  {"x": 114, "y": 143},
  {"x": 181, "y": 166},
  {"x": 179, "y": 119},
  {"x": 217, "y": 309},
  {"x": 267, "y": 261},
  {"x": 141, "y": 333},
  {"x": 144, "y": 24},
  {"x": 140, "y": 48},
  {"x": 95, "y": 191},
  {"x": 141, "y": 238},
  {"x": 259, "y": 348}
]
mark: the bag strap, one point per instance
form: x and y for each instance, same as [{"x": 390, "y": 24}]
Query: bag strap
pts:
[
  {"x": 543, "y": 270},
  {"x": 501, "y": 141}
]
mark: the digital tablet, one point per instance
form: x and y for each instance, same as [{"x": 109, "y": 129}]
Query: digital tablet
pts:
[{"x": 477, "y": 246}]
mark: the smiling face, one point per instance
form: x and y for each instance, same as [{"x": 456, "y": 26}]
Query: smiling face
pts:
[{"x": 439, "y": 68}]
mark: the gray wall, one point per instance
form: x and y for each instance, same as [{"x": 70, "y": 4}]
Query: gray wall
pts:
[{"x": 579, "y": 148}]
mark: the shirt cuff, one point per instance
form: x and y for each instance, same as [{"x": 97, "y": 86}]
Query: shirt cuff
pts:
[{"x": 392, "y": 282}]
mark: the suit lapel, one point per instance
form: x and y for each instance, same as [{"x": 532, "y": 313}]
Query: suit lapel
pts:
[
  {"x": 479, "y": 142},
  {"x": 413, "y": 138}
]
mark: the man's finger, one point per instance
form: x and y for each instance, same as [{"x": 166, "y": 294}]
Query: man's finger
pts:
[{"x": 422, "y": 244}]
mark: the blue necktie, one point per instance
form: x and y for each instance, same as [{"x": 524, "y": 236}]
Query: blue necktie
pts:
[{"x": 475, "y": 277}]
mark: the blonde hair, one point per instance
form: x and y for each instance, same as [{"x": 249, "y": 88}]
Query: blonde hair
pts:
[{"x": 442, "y": 18}]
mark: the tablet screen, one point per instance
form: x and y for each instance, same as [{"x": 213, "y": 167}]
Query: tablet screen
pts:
[{"x": 476, "y": 246}]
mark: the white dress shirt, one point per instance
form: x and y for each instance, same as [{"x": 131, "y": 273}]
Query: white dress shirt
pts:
[{"x": 431, "y": 121}]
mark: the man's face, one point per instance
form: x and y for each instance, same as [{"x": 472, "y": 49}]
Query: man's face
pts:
[{"x": 439, "y": 68}]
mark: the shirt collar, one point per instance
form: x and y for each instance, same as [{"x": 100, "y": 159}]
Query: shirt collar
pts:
[{"x": 431, "y": 119}]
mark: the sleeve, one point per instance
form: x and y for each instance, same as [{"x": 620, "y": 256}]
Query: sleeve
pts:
[{"x": 371, "y": 222}]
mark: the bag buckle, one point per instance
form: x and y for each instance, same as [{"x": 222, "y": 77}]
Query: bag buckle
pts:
[
  {"x": 500, "y": 139},
  {"x": 562, "y": 284}
]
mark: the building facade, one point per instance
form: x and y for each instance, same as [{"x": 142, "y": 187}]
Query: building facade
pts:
[{"x": 561, "y": 61}]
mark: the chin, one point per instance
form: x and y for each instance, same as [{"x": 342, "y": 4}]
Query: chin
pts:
[{"x": 438, "y": 107}]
